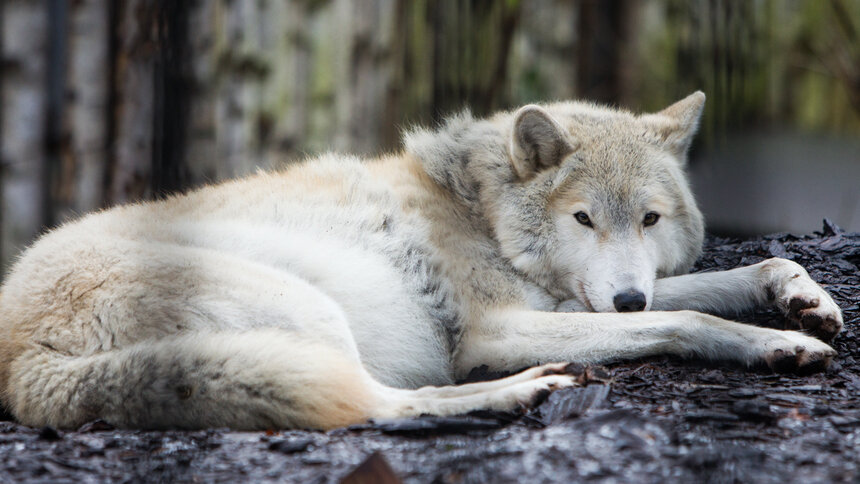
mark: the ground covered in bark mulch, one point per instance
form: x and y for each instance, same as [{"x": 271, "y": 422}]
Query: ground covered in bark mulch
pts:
[{"x": 656, "y": 420}]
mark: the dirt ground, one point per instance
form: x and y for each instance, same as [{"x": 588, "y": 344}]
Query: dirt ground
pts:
[{"x": 656, "y": 420}]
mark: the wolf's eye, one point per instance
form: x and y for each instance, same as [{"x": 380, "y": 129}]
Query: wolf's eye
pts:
[
  {"x": 651, "y": 218},
  {"x": 582, "y": 218}
]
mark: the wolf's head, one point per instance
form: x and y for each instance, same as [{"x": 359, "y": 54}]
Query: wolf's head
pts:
[{"x": 596, "y": 204}]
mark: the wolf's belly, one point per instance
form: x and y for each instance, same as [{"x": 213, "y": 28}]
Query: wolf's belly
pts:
[{"x": 401, "y": 324}]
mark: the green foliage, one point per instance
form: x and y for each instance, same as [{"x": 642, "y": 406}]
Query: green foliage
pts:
[{"x": 767, "y": 62}]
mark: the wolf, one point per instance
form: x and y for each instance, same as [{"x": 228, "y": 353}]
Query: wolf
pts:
[{"x": 340, "y": 290}]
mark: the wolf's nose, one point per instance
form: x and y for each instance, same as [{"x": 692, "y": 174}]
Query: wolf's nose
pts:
[{"x": 628, "y": 301}]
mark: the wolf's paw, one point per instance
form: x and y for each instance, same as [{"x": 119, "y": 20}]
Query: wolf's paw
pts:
[
  {"x": 792, "y": 352},
  {"x": 805, "y": 304},
  {"x": 817, "y": 314}
]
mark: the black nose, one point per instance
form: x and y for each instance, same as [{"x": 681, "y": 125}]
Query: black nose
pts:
[{"x": 629, "y": 300}]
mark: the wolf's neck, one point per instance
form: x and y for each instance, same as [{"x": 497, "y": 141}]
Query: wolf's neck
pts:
[
  {"x": 466, "y": 157},
  {"x": 470, "y": 160}
]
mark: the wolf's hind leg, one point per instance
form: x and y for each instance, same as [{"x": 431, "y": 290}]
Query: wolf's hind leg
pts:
[
  {"x": 530, "y": 374},
  {"x": 518, "y": 391}
]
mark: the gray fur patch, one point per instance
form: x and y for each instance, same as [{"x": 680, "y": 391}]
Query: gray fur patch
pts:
[
  {"x": 447, "y": 153},
  {"x": 415, "y": 262}
]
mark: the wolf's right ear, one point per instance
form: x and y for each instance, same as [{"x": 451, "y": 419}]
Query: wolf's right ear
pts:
[
  {"x": 538, "y": 141},
  {"x": 676, "y": 125}
]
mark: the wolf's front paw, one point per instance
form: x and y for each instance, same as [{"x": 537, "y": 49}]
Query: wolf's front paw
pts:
[
  {"x": 805, "y": 304},
  {"x": 792, "y": 352},
  {"x": 816, "y": 313}
]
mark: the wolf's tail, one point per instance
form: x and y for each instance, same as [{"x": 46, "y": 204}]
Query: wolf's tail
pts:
[{"x": 251, "y": 380}]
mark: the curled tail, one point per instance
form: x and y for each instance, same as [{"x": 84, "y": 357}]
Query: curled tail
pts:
[{"x": 250, "y": 380}]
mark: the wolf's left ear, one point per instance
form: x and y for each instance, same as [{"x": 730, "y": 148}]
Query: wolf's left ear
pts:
[
  {"x": 538, "y": 141},
  {"x": 676, "y": 125}
]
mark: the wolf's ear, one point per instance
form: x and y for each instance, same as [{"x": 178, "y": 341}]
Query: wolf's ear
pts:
[
  {"x": 538, "y": 141},
  {"x": 676, "y": 125}
]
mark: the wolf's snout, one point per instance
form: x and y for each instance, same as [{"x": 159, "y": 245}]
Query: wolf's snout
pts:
[{"x": 629, "y": 301}]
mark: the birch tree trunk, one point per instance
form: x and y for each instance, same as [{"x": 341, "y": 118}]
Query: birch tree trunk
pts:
[
  {"x": 242, "y": 66},
  {"x": 22, "y": 123},
  {"x": 365, "y": 73},
  {"x": 87, "y": 105},
  {"x": 135, "y": 33},
  {"x": 202, "y": 155}
]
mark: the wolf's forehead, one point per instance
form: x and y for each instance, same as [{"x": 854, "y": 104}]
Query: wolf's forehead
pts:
[
  {"x": 606, "y": 191},
  {"x": 620, "y": 187},
  {"x": 618, "y": 196},
  {"x": 611, "y": 157},
  {"x": 612, "y": 138}
]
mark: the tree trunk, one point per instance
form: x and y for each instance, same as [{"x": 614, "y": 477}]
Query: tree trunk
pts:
[
  {"x": 365, "y": 73},
  {"x": 173, "y": 88},
  {"x": 23, "y": 123},
  {"x": 605, "y": 63},
  {"x": 87, "y": 105},
  {"x": 471, "y": 42},
  {"x": 135, "y": 31},
  {"x": 241, "y": 67}
]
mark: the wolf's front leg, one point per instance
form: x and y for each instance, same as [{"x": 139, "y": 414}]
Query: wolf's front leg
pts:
[
  {"x": 512, "y": 339},
  {"x": 780, "y": 282}
]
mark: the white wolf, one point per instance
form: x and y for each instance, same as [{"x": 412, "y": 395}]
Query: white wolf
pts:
[{"x": 340, "y": 290}]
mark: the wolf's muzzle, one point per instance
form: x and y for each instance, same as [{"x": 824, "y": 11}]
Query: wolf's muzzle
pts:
[{"x": 629, "y": 301}]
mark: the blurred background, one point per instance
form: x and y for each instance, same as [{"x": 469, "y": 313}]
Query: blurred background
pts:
[{"x": 109, "y": 101}]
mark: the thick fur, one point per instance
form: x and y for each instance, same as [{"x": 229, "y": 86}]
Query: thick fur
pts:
[{"x": 340, "y": 290}]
